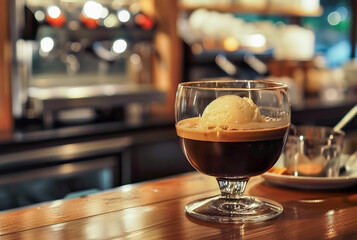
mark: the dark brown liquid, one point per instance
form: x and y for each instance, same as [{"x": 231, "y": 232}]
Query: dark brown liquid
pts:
[
  {"x": 232, "y": 159},
  {"x": 231, "y": 153}
]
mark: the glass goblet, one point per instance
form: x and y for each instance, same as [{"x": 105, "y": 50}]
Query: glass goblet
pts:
[{"x": 232, "y": 130}]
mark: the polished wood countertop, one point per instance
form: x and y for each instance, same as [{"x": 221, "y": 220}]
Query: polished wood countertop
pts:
[{"x": 155, "y": 210}]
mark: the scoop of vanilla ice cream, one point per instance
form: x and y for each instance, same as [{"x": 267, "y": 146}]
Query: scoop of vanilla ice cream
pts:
[{"x": 228, "y": 112}]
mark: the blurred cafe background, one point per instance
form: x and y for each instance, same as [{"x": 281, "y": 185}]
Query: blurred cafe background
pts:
[{"x": 87, "y": 88}]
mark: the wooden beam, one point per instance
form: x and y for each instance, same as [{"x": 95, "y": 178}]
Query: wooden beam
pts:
[
  {"x": 6, "y": 120},
  {"x": 168, "y": 46}
]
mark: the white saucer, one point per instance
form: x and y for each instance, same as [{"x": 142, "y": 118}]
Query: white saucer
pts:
[
  {"x": 303, "y": 182},
  {"x": 310, "y": 182}
]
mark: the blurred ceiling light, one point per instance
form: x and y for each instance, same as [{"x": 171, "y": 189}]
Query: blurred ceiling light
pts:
[
  {"x": 88, "y": 22},
  {"x": 310, "y": 5},
  {"x": 119, "y": 46},
  {"x": 92, "y": 9},
  {"x": 123, "y": 15},
  {"x": 334, "y": 18},
  {"x": 135, "y": 59},
  {"x": 343, "y": 11},
  {"x": 135, "y": 8},
  {"x": 105, "y": 12},
  {"x": 54, "y": 11},
  {"x": 256, "y": 40},
  {"x": 230, "y": 44},
  {"x": 47, "y": 44},
  {"x": 145, "y": 22},
  {"x": 40, "y": 15},
  {"x": 76, "y": 47},
  {"x": 55, "y": 17},
  {"x": 111, "y": 21}
]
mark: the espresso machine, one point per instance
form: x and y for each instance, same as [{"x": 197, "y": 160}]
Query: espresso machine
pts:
[{"x": 76, "y": 59}]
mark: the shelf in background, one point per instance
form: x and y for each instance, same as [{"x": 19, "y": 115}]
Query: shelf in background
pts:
[{"x": 243, "y": 8}]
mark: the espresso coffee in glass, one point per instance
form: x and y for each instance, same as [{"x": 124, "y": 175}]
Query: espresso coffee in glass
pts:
[{"x": 232, "y": 130}]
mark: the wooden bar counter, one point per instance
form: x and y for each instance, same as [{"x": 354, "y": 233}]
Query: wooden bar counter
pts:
[{"x": 155, "y": 210}]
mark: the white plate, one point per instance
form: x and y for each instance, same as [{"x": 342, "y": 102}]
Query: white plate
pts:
[{"x": 310, "y": 182}]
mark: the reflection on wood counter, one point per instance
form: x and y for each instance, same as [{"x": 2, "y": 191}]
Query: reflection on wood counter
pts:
[{"x": 155, "y": 210}]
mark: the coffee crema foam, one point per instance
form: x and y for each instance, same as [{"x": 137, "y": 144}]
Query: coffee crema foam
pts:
[{"x": 248, "y": 132}]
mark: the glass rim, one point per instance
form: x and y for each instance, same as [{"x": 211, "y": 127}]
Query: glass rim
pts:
[{"x": 276, "y": 85}]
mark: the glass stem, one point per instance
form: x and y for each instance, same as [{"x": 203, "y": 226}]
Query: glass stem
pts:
[{"x": 232, "y": 188}]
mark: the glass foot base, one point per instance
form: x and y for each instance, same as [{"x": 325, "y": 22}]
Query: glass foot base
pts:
[{"x": 225, "y": 210}]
